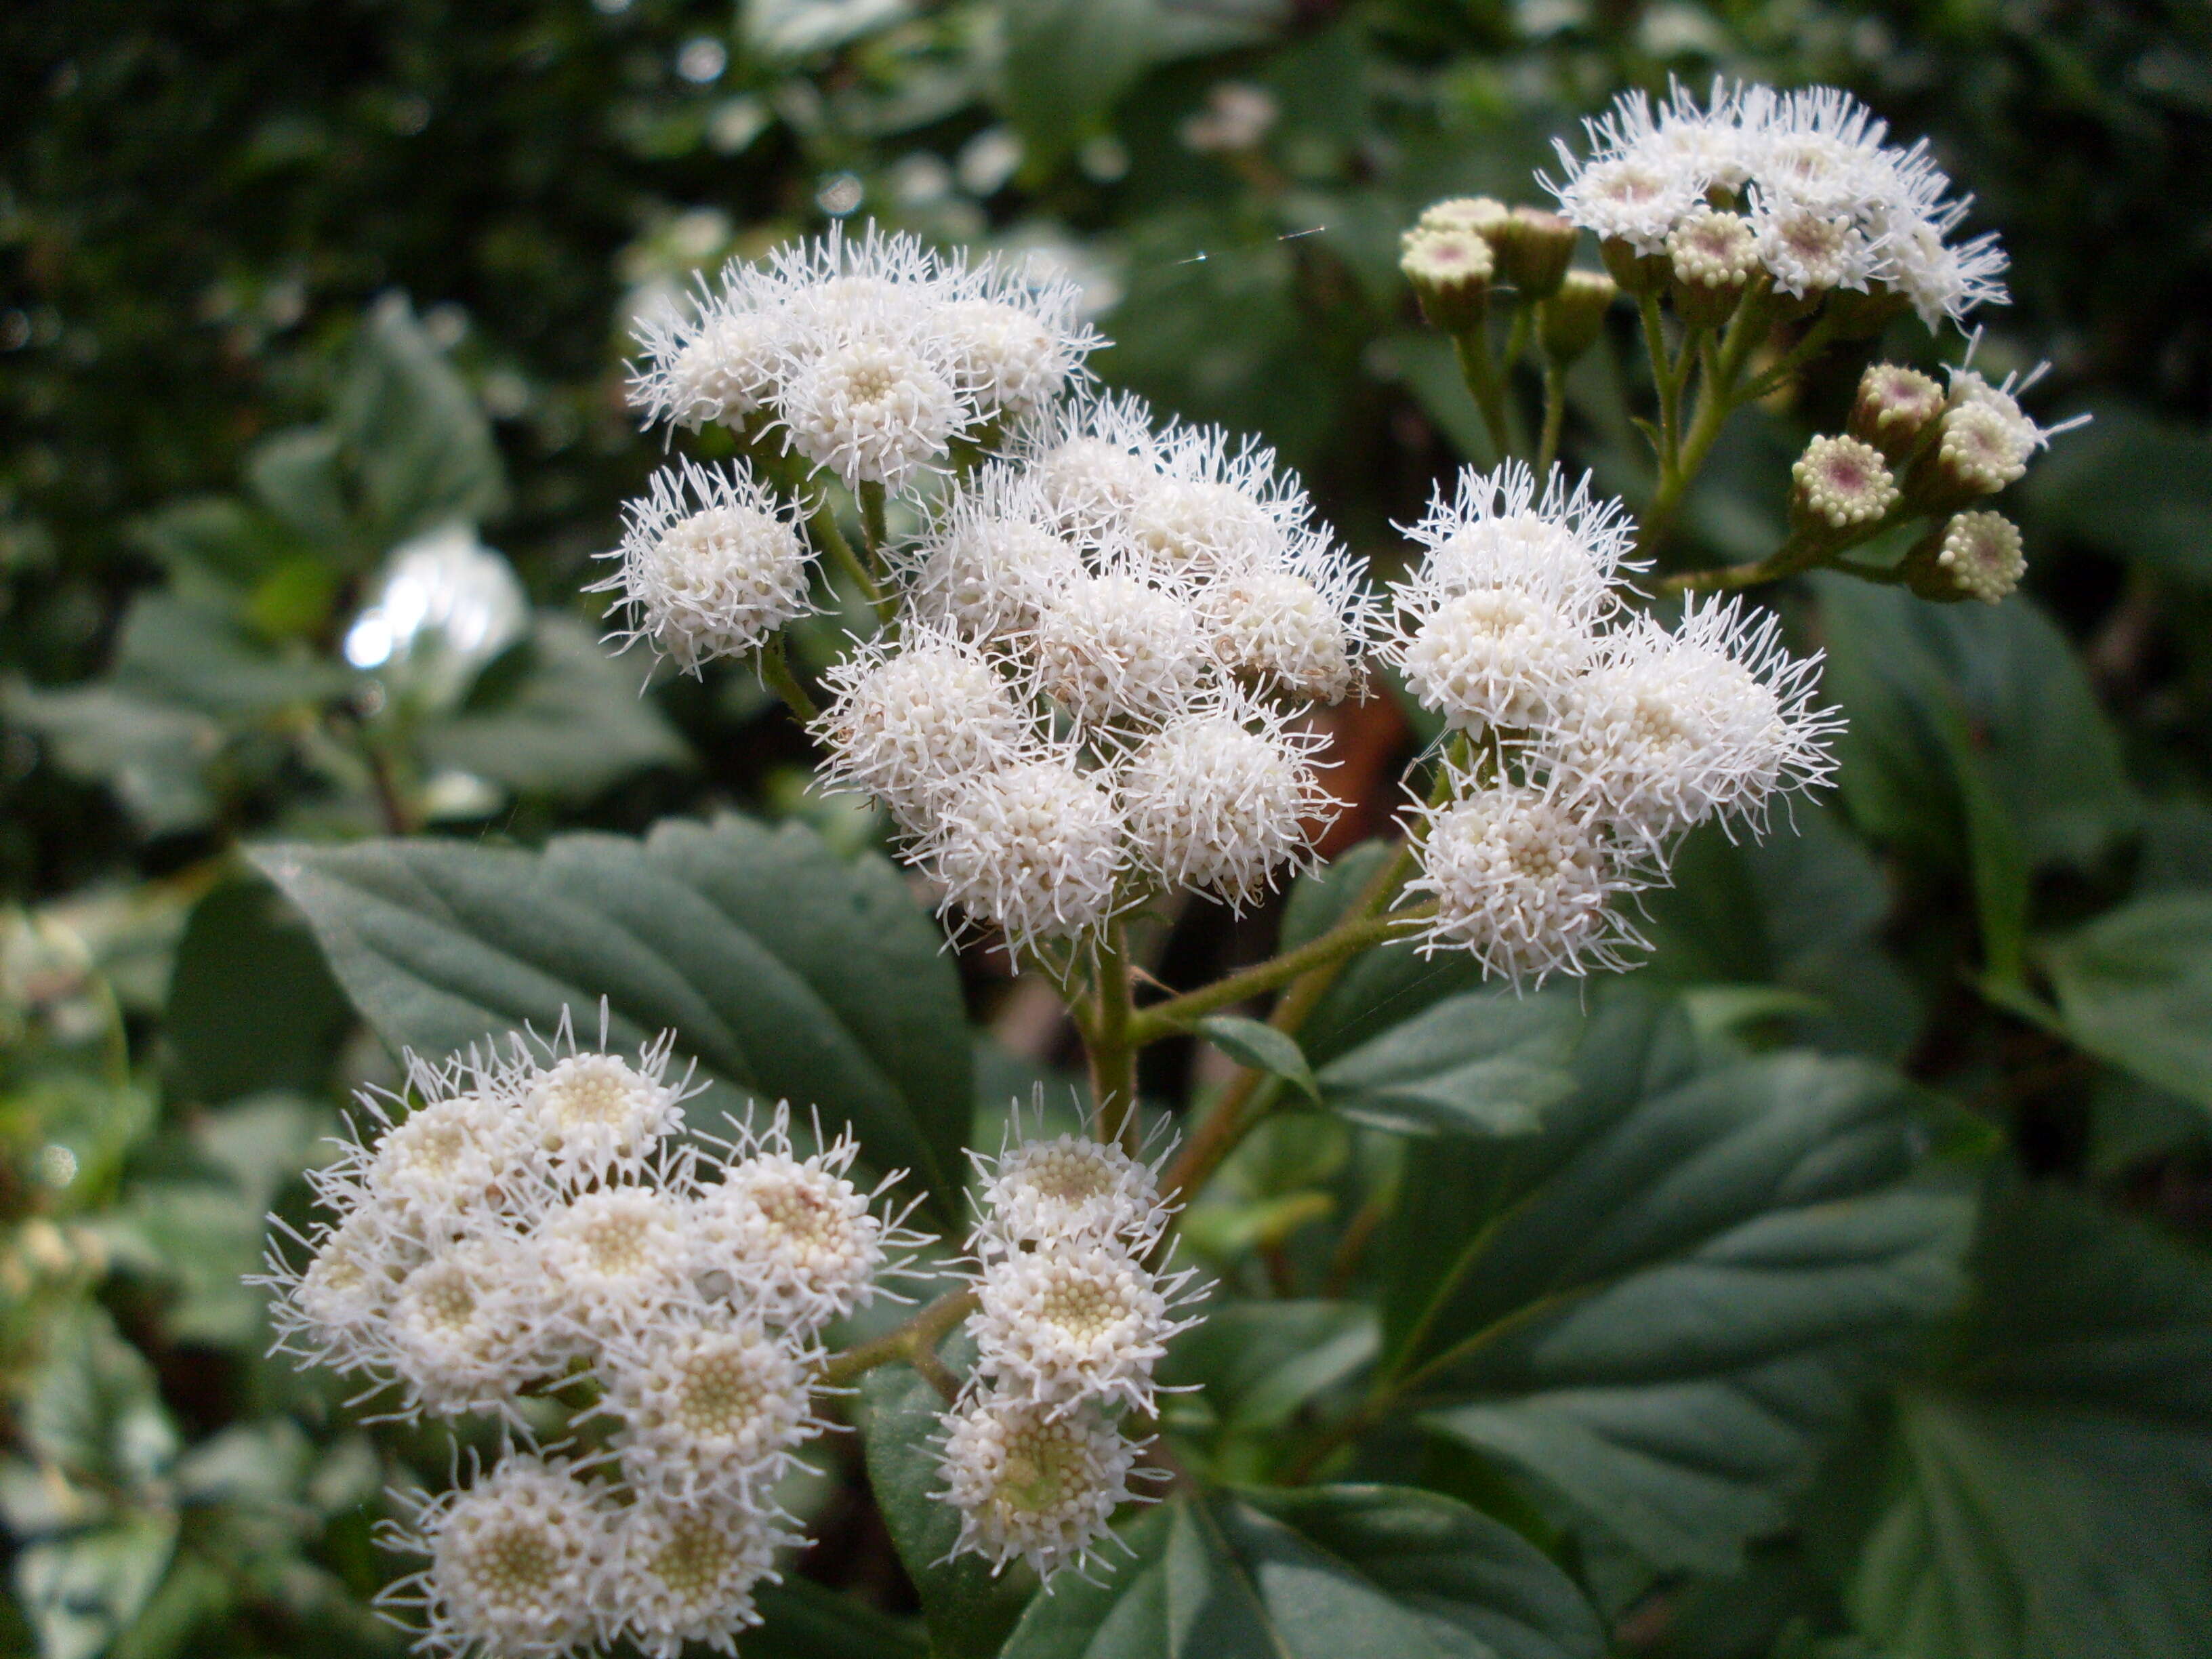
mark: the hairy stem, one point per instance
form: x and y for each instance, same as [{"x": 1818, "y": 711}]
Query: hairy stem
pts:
[
  {"x": 873, "y": 529},
  {"x": 1717, "y": 399},
  {"x": 776, "y": 675},
  {"x": 1555, "y": 414},
  {"x": 914, "y": 1343},
  {"x": 823, "y": 526},
  {"x": 1356, "y": 933},
  {"x": 1106, "y": 1036},
  {"x": 1478, "y": 367}
]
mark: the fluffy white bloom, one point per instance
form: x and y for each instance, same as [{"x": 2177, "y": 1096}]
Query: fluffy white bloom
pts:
[
  {"x": 1092, "y": 462},
  {"x": 471, "y": 1328},
  {"x": 333, "y": 1308},
  {"x": 1067, "y": 1189},
  {"x": 991, "y": 561},
  {"x": 1809, "y": 252},
  {"x": 792, "y": 1236},
  {"x": 448, "y": 1164},
  {"x": 1631, "y": 198},
  {"x": 515, "y": 1561},
  {"x": 875, "y": 407},
  {"x": 719, "y": 361},
  {"x": 1714, "y": 719},
  {"x": 596, "y": 1114},
  {"x": 1490, "y": 656},
  {"x": 613, "y": 1258},
  {"x": 1034, "y": 1486},
  {"x": 1495, "y": 531},
  {"x": 712, "y": 564},
  {"x": 1018, "y": 336},
  {"x": 1071, "y": 1321},
  {"x": 710, "y": 1405},
  {"x": 916, "y": 721},
  {"x": 1223, "y": 800},
  {"x": 1113, "y": 646},
  {"x": 686, "y": 1572},
  {"x": 1034, "y": 848},
  {"x": 1298, "y": 630},
  {"x": 1526, "y": 880}
]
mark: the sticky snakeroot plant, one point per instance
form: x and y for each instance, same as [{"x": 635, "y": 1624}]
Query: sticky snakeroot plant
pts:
[{"x": 1095, "y": 646}]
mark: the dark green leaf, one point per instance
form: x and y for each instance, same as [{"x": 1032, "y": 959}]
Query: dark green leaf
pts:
[
  {"x": 93, "y": 1408},
  {"x": 1334, "y": 1572},
  {"x": 2134, "y": 988},
  {"x": 152, "y": 755},
  {"x": 2050, "y": 1495},
  {"x": 82, "y": 1591},
  {"x": 787, "y": 972},
  {"x": 968, "y": 1610},
  {"x": 1483, "y": 1064},
  {"x": 295, "y": 474},
  {"x": 252, "y": 1008},
  {"x": 1660, "y": 1303},
  {"x": 1067, "y": 62},
  {"x": 1256, "y": 1043},
  {"x": 2132, "y": 486},
  {"x": 214, "y": 544},
  {"x": 1258, "y": 1362},
  {"x": 188, "y": 653},
  {"x": 425, "y": 449},
  {"x": 801, "y": 1619}
]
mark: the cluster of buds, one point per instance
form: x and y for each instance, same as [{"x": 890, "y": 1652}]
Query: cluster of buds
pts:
[
  {"x": 1107, "y": 640},
  {"x": 1069, "y": 1323},
  {"x": 1794, "y": 191},
  {"x": 1587, "y": 737},
  {"x": 1913, "y": 449},
  {"x": 531, "y": 1239},
  {"x": 1463, "y": 246},
  {"x": 870, "y": 359}
]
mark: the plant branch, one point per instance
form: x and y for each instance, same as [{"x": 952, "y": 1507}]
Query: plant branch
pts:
[
  {"x": 822, "y": 525},
  {"x": 1716, "y": 401},
  {"x": 1355, "y": 933},
  {"x": 1555, "y": 414},
  {"x": 1113, "y": 1055},
  {"x": 914, "y": 1343},
  {"x": 1478, "y": 367},
  {"x": 776, "y": 675}
]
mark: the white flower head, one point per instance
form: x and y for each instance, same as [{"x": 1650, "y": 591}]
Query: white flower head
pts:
[
  {"x": 1713, "y": 719},
  {"x": 471, "y": 1326},
  {"x": 1299, "y": 628},
  {"x": 992, "y": 561},
  {"x": 613, "y": 1258},
  {"x": 718, "y": 362},
  {"x": 1820, "y": 149},
  {"x": 1807, "y": 251},
  {"x": 1091, "y": 461},
  {"x": 1114, "y": 648},
  {"x": 596, "y": 1114},
  {"x": 1069, "y": 1187},
  {"x": 792, "y": 1236},
  {"x": 1527, "y": 880},
  {"x": 1629, "y": 197},
  {"x": 915, "y": 721},
  {"x": 710, "y": 1405},
  {"x": 1072, "y": 1320},
  {"x": 1496, "y": 531},
  {"x": 1032, "y": 1485},
  {"x": 1225, "y": 800},
  {"x": 515, "y": 1559},
  {"x": 450, "y": 1165},
  {"x": 333, "y": 1307},
  {"x": 1019, "y": 337},
  {"x": 1034, "y": 848},
  {"x": 1216, "y": 506},
  {"x": 686, "y": 1572},
  {"x": 712, "y": 565}
]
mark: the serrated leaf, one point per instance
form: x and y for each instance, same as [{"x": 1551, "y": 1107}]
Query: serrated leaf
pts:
[
  {"x": 1256, "y": 1043},
  {"x": 1481, "y": 1063},
  {"x": 968, "y": 1610},
  {"x": 1332, "y": 1573},
  {"x": 1661, "y": 1303},
  {"x": 2134, "y": 988},
  {"x": 785, "y": 971},
  {"x": 2049, "y": 1491}
]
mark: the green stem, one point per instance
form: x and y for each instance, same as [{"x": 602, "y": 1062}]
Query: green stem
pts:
[
  {"x": 914, "y": 1342},
  {"x": 1796, "y": 554},
  {"x": 1555, "y": 416},
  {"x": 873, "y": 529},
  {"x": 1666, "y": 379},
  {"x": 1716, "y": 401},
  {"x": 1107, "y": 1036},
  {"x": 1355, "y": 933},
  {"x": 823, "y": 526},
  {"x": 1478, "y": 368},
  {"x": 1516, "y": 336},
  {"x": 776, "y": 675}
]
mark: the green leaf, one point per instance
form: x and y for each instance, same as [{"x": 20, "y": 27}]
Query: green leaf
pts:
[
  {"x": 1256, "y": 1043},
  {"x": 295, "y": 474},
  {"x": 424, "y": 448},
  {"x": 1258, "y": 1362},
  {"x": 214, "y": 544},
  {"x": 2134, "y": 988},
  {"x": 572, "y": 723},
  {"x": 252, "y": 1008},
  {"x": 1066, "y": 64},
  {"x": 151, "y": 754},
  {"x": 1482, "y": 1064},
  {"x": 802, "y": 1620},
  {"x": 787, "y": 972},
  {"x": 1658, "y": 1305},
  {"x": 188, "y": 653},
  {"x": 2132, "y": 486},
  {"x": 93, "y": 1408},
  {"x": 2049, "y": 1495},
  {"x": 968, "y": 1610},
  {"x": 1334, "y": 1572},
  {"x": 82, "y": 1592}
]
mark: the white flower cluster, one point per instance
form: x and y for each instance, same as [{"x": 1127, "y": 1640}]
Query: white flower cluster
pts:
[
  {"x": 1108, "y": 641},
  {"x": 1593, "y": 737},
  {"x": 868, "y": 357},
  {"x": 1069, "y": 1324},
  {"x": 531, "y": 1224},
  {"x": 1799, "y": 184}
]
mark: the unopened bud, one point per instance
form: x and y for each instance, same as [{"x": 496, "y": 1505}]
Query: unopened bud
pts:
[
  {"x": 1482, "y": 215},
  {"x": 1975, "y": 556},
  {"x": 1450, "y": 272},
  {"x": 1569, "y": 323},
  {"x": 1840, "y": 484},
  {"x": 1535, "y": 249},
  {"x": 1639, "y": 274},
  {"x": 1978, "y": 451},
  {"x": 1895, "y": 407},
  {"x": 1711, "y": 256}
]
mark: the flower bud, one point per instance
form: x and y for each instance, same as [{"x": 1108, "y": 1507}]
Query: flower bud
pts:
[
  {"x": 1570, "y": 322},
  {"x": 1978, "y": 451},
  {"x": 1534, "y": 250},
  {"x": 1975, "y": 556},
  {"x": 1639, "y": 274},
  {"x": 1711, "y": 256},
  {"x": 1895, "y": 407},
  {"x": 1450, "y": 272},
  {"x": 1478, "y": 215},
  {"x": 1840, "y": 484}
]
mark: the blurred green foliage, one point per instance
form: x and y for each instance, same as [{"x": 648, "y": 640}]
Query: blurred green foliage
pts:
[{"x": 286, "y": 290}]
